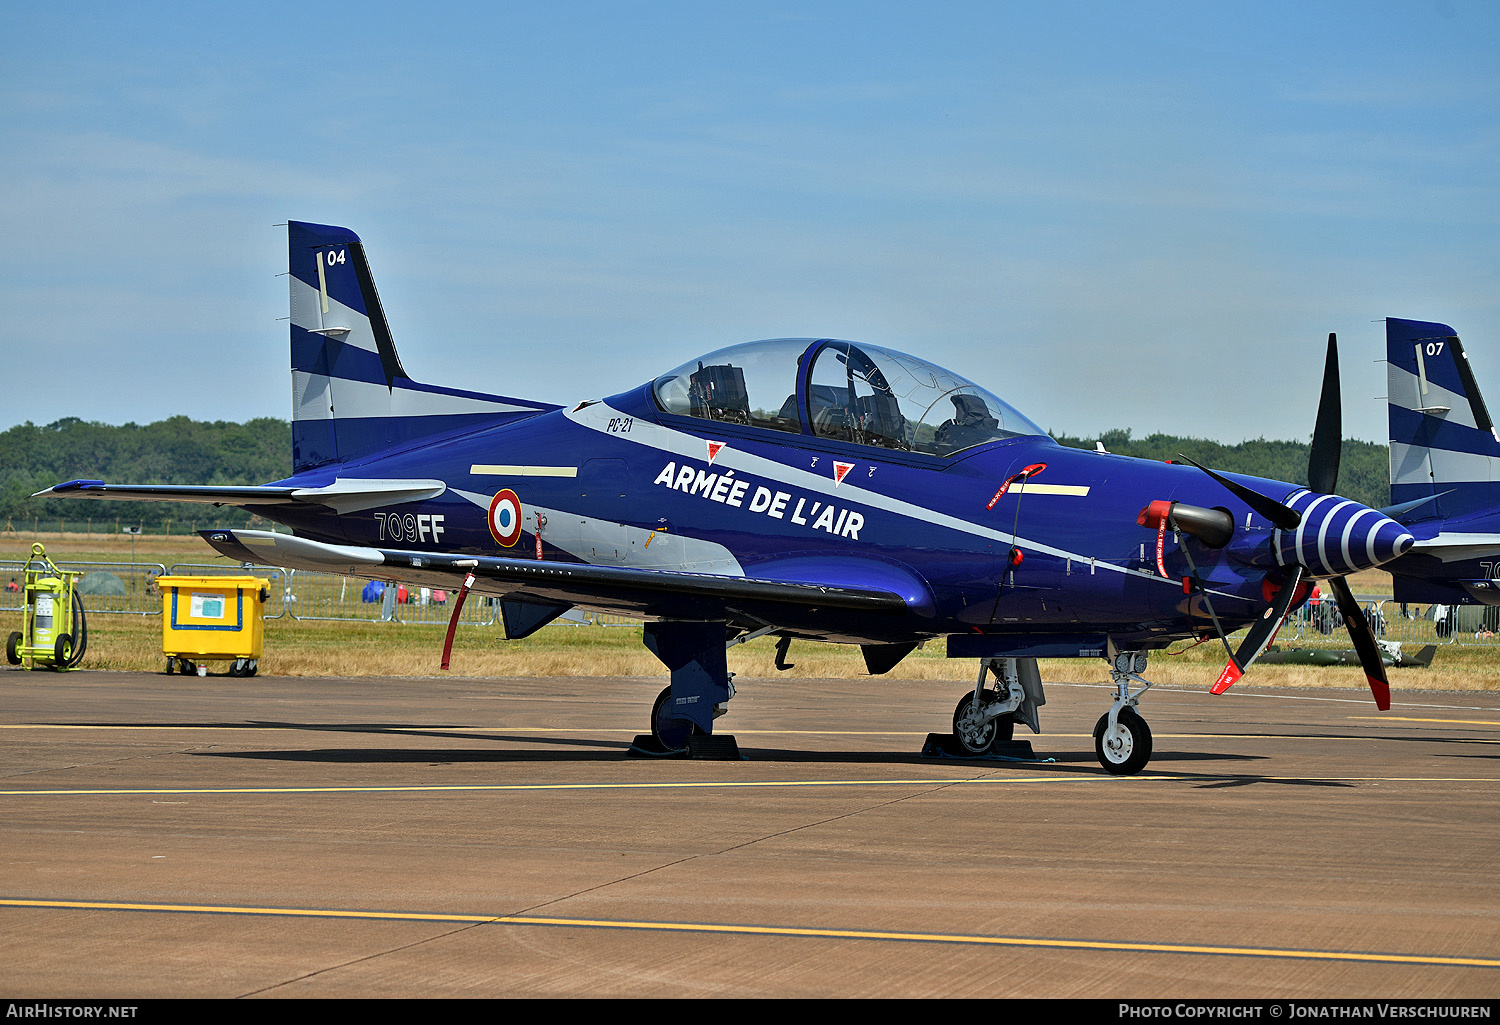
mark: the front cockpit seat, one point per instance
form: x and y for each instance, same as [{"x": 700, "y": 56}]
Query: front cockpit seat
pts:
[{"x": 972, "y": 424}]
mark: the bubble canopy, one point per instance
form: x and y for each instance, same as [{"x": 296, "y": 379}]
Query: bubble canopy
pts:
[{"x": 843, "y": 391}]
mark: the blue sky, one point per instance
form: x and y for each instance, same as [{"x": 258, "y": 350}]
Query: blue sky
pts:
[{"x": 1144, "y": 215}]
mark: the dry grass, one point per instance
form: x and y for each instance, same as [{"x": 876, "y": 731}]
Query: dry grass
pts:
[
  {"x": 133, "y": 643},
  {"x": 301, "y": 648}
]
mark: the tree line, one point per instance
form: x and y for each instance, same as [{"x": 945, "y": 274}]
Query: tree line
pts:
[
  {"x": 179, "y": 450},
  {"x": 1364, "y": 467}
]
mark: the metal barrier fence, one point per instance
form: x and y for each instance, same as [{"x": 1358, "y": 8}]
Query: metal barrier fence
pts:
[
  {"x": 1322, "y": 625},
  {"x": 332, "y": 596},
  {"x": 121, "y": 588}
]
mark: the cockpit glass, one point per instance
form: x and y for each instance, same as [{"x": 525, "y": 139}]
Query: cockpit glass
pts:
[
  {"x": 754, "y": 384},
  {"x": 874, "y": 396},
  {"x": 857, "y": 393}
]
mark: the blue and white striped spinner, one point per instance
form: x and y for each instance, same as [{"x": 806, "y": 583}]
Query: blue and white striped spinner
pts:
[{"x": 1338, "y": 536}]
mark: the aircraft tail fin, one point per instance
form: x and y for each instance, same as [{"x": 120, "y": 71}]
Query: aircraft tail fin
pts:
[
  {"x": 351, "y": 397},
  {"x": 1444, "y": 447}
]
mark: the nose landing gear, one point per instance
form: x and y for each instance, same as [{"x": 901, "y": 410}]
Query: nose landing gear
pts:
[{"x": 1122, "y": 740}]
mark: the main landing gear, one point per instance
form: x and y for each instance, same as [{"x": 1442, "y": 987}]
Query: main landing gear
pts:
[
  {"x": 682, "y": 717},
  {"x": 1122, "y": 740},
  {"x": 985, "y": 719}
]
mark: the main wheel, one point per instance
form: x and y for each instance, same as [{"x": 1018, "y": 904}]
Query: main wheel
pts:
[
  {"x": 1127, "y": 750},
  {"x": 62, "y": 651},
  {"x": 13, "y": 648},
  {"x": 974, "y": 735},
  {"x": 670, "y": 733}
]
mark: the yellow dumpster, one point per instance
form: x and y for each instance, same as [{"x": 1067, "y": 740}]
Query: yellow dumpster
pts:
[{"x": 208, "y": 618}]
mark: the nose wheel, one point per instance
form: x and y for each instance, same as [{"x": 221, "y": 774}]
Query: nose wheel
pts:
[
  {"x": 1122, "y": 740},
  {"x": 1125, "y": 748}
]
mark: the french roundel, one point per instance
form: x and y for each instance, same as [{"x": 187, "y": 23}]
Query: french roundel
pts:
[{"x": 505, "y": 517}]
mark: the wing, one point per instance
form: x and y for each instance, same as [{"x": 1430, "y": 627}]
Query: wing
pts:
[
  {"x": 562, "y": 585},
  {"x": 1453, "y": 568},
  {"x": 344, "y": 495},
  {"x": 1456, "y": 547}
]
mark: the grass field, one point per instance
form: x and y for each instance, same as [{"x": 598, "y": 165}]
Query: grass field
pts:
[{"x": 304, "y": 648}]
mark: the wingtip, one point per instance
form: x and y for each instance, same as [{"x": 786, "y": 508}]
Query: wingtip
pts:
[{"x": 67, "y": 487}]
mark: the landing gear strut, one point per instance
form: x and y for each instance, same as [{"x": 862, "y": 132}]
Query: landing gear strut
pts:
[
  {"x": 699, "y": 693},
  {"x": 985, "y": 718},
  {"x": 1122, "y": 740}
]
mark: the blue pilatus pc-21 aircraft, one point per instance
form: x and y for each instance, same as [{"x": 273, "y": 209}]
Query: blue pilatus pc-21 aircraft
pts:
[{"x": 806, "y": 488}]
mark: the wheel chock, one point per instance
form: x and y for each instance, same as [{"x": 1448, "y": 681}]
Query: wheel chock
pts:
[
  {"x": 646, "y": 746},
  {"x": 706, "y": 747},
  {"x": 715, "y": 747},
  {"x": 946, "y": 745}
]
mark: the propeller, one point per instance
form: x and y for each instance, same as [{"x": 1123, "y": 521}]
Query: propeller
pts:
[
  {"x": 1322, "y": 479},
  {"x": 1262, "y": 633}
]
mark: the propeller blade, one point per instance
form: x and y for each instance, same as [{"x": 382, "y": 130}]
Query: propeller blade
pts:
[
  {"x": 1323, "y": 457},
  {"x": 1261, "y": 633},
  {"x": 1364, "y": 642},
  {"x": 1282, "y": 516}
]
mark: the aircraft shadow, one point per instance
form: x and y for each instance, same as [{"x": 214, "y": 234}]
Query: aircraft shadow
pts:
[
  {"x": 543, "y": 749},
  {"x": 1070, "y": 762},
  {"x": 436, "y": 756},
  {"x": 613, "y": 752}
]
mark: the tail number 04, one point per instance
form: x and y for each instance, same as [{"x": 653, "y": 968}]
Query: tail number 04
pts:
[{"x": 336, "y": 258}]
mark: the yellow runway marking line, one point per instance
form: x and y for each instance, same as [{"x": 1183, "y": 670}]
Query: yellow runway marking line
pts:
[
  {"x": 1408, "y": 718},
  {"x": 772, "y": 930}
]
